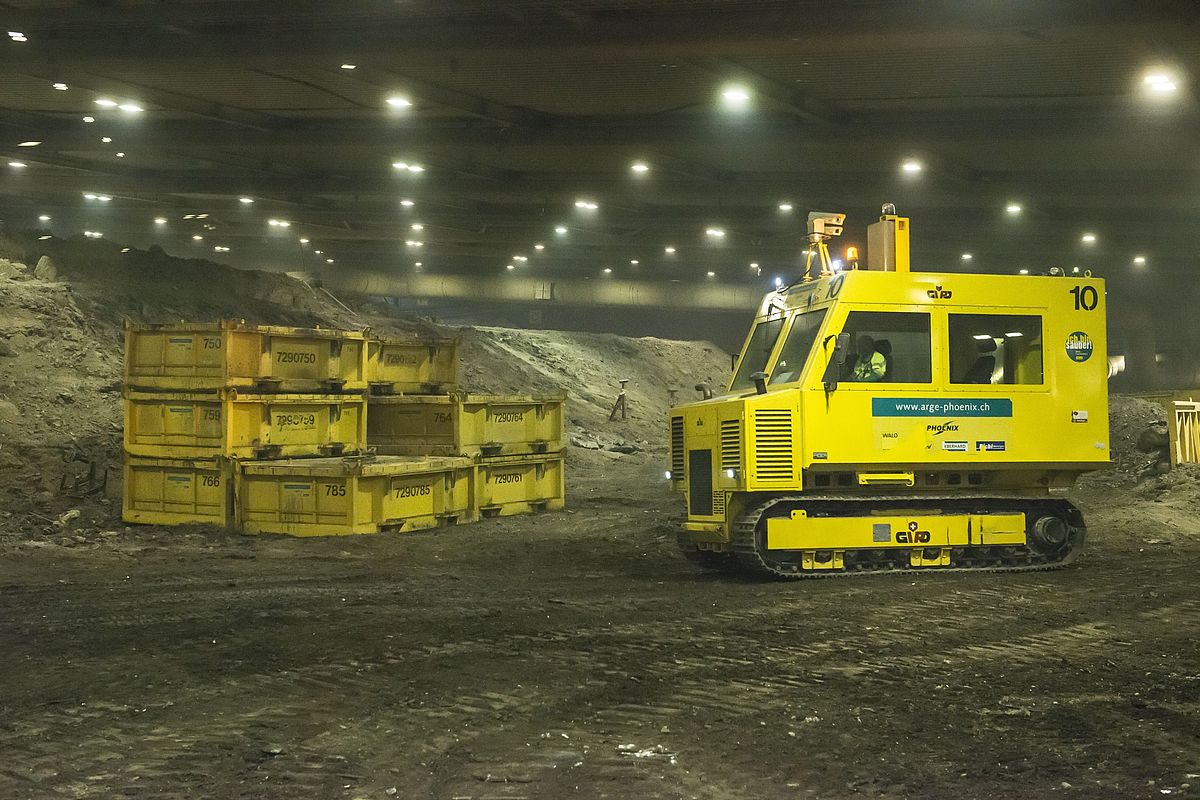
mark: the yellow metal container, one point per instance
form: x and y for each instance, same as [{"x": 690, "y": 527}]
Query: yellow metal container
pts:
[
  {"x": 241, "y": 425},
  {"x": 159, "y": 491},
  {"x": 416, "y": 366},
  {"x": 474, "y": 425},
  {"x": 190, "y": 356},
  {"x": 342, "y": 496},
  {"x": 520, "y": 484}
]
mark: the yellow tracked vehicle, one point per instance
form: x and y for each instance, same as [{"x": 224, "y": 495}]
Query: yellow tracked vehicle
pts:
[{"x": 883, "y": 419}]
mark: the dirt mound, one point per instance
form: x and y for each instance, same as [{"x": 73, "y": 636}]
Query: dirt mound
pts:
[{"x": 61, "y": 353}]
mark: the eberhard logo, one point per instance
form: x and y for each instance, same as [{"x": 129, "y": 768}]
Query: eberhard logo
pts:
[
  {"x": 938, "y": 293},
  {"x": 938, "y": 428}
]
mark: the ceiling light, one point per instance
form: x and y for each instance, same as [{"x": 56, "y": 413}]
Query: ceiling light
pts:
[
  {"x": 104, "y": 102},
  {"x": 17, "y": 36},
  {"x": 785, "y": 207},
  {"x": 520, "y": 258},
  {"x": 589, "y": 205},
  {"x": 45, "y": 218},
  {"x": 911, "y": 167},
  {"x": 561, "y": 230},
  {"x": 416, "y": 226},
  {"x": 413, "y": 243},
  {"x": 982, "y": 337},
  {"x": 88, "y": 196},
  {"x": 1013, "y": 335},
  {"x": 1088, "y": 238},
  {"x": 966, "y": 256},
  {"x": 509, "y": 267},
  {"x": 189, "y": 216},
  {"x": 105, "y": 139},
  {"x": 221, "y": 249},
  {"x": 399, "y": 165},
  {"x": 415, "y": 168},
  {"x": 246, "y": 200},
  {"x": 399, "y": 101},
  {"x": 416, "y": 263},
  {"x": 1022, "y": 272},
  {"x": 712, "y": 274},
  {"x": 44, "y": 238},
  {"x": 62, "y": 87},
  {"x": 1013, "y": 208},
  {"x": 539, "y": 247},
  {"x": 1075, "y": 270},
  {"x": 669, "y": 250},
  {"x": 608, "y": 270},
  {"x": 131, "y": 108},
  {"x": 1139, "y": 260},
  {"x": 349, "y": 66},
  {"x": 778, "y": 282},
  {"x": 735, "y": 97},
  {"x": 17, "y": 164},
  {"x": 634, "y": 261},
  {"x": 103, "y": 198},
  {"x": 277, "y": 223},
  {"x": 303, "y": 241},
  {"x": 319, "y": 252},
  {"x": 640, "y": 167},
  {"x": 160, "y": 220},
  {"x": 716, "y": 233},
  {"x": 329, "y": 261},
  {"x": 1160, "y": 82},
  {"x": 197, "y": 238},
  {"x": 89, "y": 119},
  {"x": 28, "y": 144},
  {"x": 407, "y": 203},
  {"x": 120, "y": 155}
]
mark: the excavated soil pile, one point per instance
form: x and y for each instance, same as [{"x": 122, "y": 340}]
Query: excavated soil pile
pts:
[{"x": 61, "y": 350}]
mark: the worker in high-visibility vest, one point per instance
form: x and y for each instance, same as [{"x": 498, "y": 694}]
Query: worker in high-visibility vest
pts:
[{"x": 870, "y": 365}]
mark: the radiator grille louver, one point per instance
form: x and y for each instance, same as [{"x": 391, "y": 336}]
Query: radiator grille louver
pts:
[
  {"x": 677, "y": 456},
  {"x": 773, "y": 444},
  {"x": 731, "y": 444}
]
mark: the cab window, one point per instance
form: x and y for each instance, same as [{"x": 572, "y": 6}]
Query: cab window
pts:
[
  {"x": 799, "y": 344},
  {"x": 758, "y": 351},
  {"x": 1003, "y": 349},
  {"x": 888, "y": 347}
]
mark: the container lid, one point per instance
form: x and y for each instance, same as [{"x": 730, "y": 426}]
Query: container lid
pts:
[{"x": 354, "y": 465}]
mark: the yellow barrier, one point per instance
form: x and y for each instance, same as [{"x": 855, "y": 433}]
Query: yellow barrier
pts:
[
  {"x": 467, "y": 424},
  {"x": 520, "y": 484},
  {"x": 341, "y": 496},
  {"x": 177, "y": 491},
  {"x": 191, "y": 356},
  {"x": 422, "y": 366},
  {"x": 230, "y": 423},
  {"x": 1185, "y": 432}
]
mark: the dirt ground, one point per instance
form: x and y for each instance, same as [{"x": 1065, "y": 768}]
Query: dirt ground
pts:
[{"x": 574, "y": 655}]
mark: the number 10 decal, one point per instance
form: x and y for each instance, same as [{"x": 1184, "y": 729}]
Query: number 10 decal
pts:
[{"x": 1086, "y": 298}]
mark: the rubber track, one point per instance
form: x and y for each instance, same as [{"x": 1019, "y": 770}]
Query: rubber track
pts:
[{"x": 744, "y": 543}]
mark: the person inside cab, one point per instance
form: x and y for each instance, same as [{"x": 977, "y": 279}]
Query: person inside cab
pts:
[{"x": 870, "y": 366}]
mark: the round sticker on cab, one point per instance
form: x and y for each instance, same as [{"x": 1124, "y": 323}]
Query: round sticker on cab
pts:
[{"x": 1079, "y": 346}]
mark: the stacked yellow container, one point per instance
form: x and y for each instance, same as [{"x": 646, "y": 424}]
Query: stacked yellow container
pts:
[
  {"x": 516, "y": 442},
  {"x": 265, "y": 429},
  {"x": 207, "y": 406}
]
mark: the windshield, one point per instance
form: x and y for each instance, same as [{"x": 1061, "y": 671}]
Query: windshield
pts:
[
  {"x": 758, "y": 350},
  {"x": 796, "y": 349}
]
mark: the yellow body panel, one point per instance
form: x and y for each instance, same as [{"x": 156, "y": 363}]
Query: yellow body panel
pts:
[
  {"x": 160, "y": 491},
  {"x": 401, "y": 366},
  {"x": 520, "y": 484},
  {"x": 200, "y": 356},
  {"x": 237, "y": 425},
  {"x": 338, "y": 497},
  {"x": 802, "y": 532},
  {"x": 467, "y": 424},
  {"x": 805, "y": 437}
]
